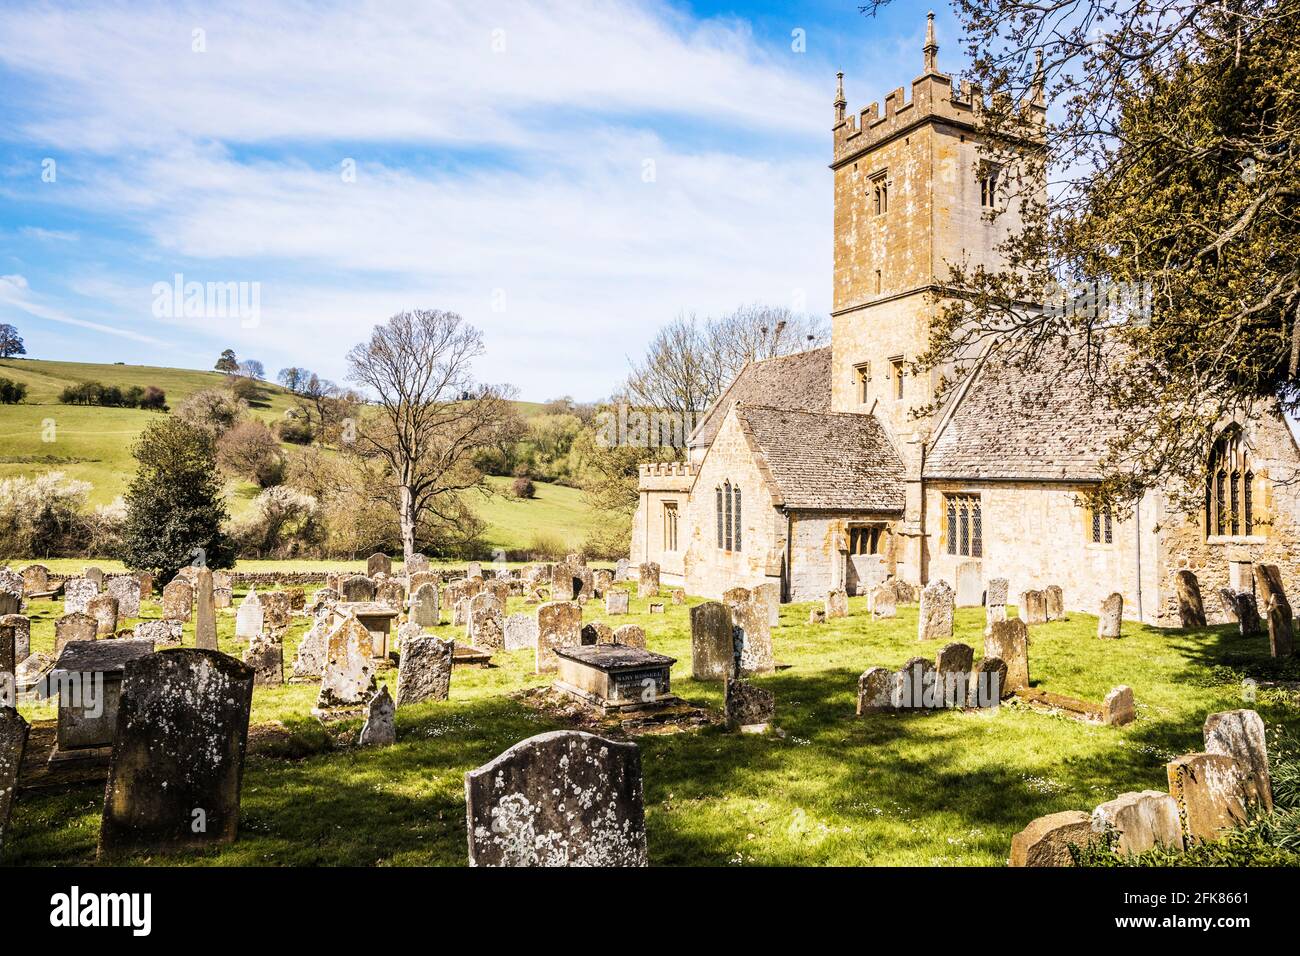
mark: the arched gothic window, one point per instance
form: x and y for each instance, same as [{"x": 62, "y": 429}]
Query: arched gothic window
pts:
[
  {"x": 728, "y": 518},
  {"x": 1229, "y": 499}
]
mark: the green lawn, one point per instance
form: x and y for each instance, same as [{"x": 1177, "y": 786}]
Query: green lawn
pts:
[{"x": 920, "y": 789}]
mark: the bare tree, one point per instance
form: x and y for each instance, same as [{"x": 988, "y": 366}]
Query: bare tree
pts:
[{"x": 430, "y": 418}]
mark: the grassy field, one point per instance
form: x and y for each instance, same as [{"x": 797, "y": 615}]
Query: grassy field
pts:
[{"x": 946, "y": 788}]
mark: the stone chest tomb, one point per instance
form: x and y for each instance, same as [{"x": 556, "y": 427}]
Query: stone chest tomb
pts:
[
  {"x": 615, "y": 678},
  {"x": 88, "y": 676}
]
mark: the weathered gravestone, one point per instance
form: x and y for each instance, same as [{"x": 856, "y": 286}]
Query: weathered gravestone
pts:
[
  {"x": 629, "y": 635},
  {"x": 748, "y": 707},
  {"x": 177, "y": 599},
  {"x": 1212, "y": 792},
  {"x": 88, "y": 675},
  {"x": 995, "y": 600},
  {"x": 348, "y": 677},
  {"x": 248, "y": 619},
  {"x": 73, "y": 627},
  {"x": 277, "y": 614},
  {"x": 713, "y": 643},
  {"x": 883, "y": 601},
  {"x": 391, "y": 593},
  {"x": 126, "y": 588},
  {"x": 836, "y": 604},
  {"x": 424, "y": 606},
  {"x": 988, "y": 683},
  {"x": 937, "y": 609},
  {"x": 767, "y": 593},
  {"x": 914, "y": 686},
  {"x": 1119, "y": 707},
  {"x": 1141, "y": 821},
  {"x": 357, "y": 587},
  {"x": 378, "y": 563},
  {"x": 751, "y": 617},
  {"x": 520, "y": 632},
  {"x": 96, "y": 575},
  {"x": 1240, "y": 734},
  {"x": 103, "y": 608},
  {"x": 565, "y": 586},
  {"x": 77, "y": 593},
  {"x": 970, "y": 584},
  {"x": 953, "y": 666},
  {"x": 179, "y": 758},
  {"x": 485, "y": 627},
  {"x": 1033, "y": 607},
  {"x": 559, "y": 624},
  {"x": 163, "y": 633},
  {"x": 424, "y": 672},
  {"x": 1275, "y": 608},
  {"x": 8, "y": 660},
  {"x": 622, "y": 569},
  {"x": 1240, "y": 606},
  {"x": 13, "y": 742},
  {"x": 597, "y": 633},
  {"x": 1054, "y": 602},
  {"x": 1047, "y": 840},
  {"x": 380, "y": 730},
  {"x": 205, "y": 612},
  {"x": 1009, "y": 642},
  {"x": 1111, "y": 618},
  {"x": 564, "y": 798},
  {"x": 309, "y": 661},
  {"x": 875, "y": 691},
  {"x": 416, "y": 563},
  {"x": 648, "y": 582},
  {"x": 266, "y": 657},
  {"x": 617, "y": 601},
  {"x": 1191, "y": 610},
  {"x": 21, "y": 625},
  {"x": 36, "y": 579}
]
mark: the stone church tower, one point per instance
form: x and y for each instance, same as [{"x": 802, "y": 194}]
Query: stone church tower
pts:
[{"x": 913, "y": 196}]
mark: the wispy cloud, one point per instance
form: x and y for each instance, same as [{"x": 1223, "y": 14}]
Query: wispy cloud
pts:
[{"x": 14, "y": 292}]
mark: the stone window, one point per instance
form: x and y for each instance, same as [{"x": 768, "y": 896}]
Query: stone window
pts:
[
  {"x": 965, "y": 526},
  {"x": 879, "y": 194},
  {"x": 1229, "y": 493},
  {"x": 1103, "y": 522},
  {"x": 721, "y": 539},
  {"x": 863, "y": 374},
  {"x": 729, "y": 517},
  {"x": 670, "y": 526},
  {"x": 896, "y": 372},
  {"x": 989, "y": 185},
  {"x": 867, "y": 540}
]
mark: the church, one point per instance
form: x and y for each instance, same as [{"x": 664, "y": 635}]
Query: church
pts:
[{"x": 831, "y": 468}]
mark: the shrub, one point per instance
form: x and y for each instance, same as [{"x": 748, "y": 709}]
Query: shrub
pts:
[
  {"x": 113, "y": 396},
  {"x": 296, "y": 431},
  {"x": 251, "y": 450},
  {"x": 215, "y": 410},
  {"x": 546, "y": 547},
  {"x": 283, "y": 524},
  {"x": 43, "y": 516},
  {"x": 11, "y": 392},
  {"x": 154, "y": 399},
  {"x": 523, "y": 487}
]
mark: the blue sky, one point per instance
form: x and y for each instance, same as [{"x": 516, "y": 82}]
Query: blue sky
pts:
[{"x": 567, "y": 175}]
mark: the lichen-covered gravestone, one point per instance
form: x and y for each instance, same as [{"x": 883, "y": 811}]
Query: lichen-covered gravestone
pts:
[
  {"x": 13, "y": 741},
  {"x": 1191, "y": 609},
  {"x": 520, "y": 632},
  {"x": 748, "y": 707},
  {"x": 177, "y": 599},
  {"x": 648, "y": 581},
  {"x": 597, "y": 632},
  {"x": 995, "y": 600},
  {"x": 1240, "y": 734},
  {"x": 1111, "y": 617},
  {"x": 617, "y": 601},
  {"x": 1276, "y": 609},
  {"x": 935, "y": 620},
  {"x": 126, "y": 588},
  {"x": 953, "y": 664},
  {"x": 630, "y": 635},
  {"x": 750, "y": 614},
  {"x": 988, "y": 683},
  {"x": 162, "y": 633},
  {"x": 379, "y": 563},
  {"x": 424, "y": 606},
  {"x": 1009, "y": 641},
  {"x": 875, "y": 691},
  {"x": 884, "y": 603},
  {"x": 1141, "y": 821},
  {"x": 424, "y": 672},
  {"x": 1119, "y": 707},
  {"x": 205, "y": 612},
  {"x": 76, "y": 626},
  {"x": 1047, "y": 840},
  {"x": 1213, "y": 792},
  {"x": 77, "y": 593},
  {"x": 380, "y": 729},
  {"x": 1033, "y": 607},
  {"x": 309, "y": 660},
  {"x": 485, "y": 628},
  {"x": 1054, "y": 602},
  {"x": 178, "y": 759},
  {"x": 564, "y": 798},
  {"x": 103, "y": 608},
  {"x": 357, "y": 587},
  {"x": 266, "y": 657},
  {"x": 713, "y": 645},
  {"x": 559, "y": 624},
  {"x": 348, "y": 677},
  {"x": 836, "y": 603},
  {"x": 22, "y": 631}
]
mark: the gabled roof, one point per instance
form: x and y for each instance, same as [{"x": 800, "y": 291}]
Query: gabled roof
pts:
[
  {"x": 799, "y": 381},
  {"x": 1046, "y": 422},
  {"x": 824, "y": 461}
]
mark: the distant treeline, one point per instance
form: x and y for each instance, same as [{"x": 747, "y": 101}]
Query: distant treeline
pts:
[
  {"x": 11, "y": 392},
  {"x": 114, "y": 396}
]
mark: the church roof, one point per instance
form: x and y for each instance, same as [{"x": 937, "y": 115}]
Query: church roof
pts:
[
  {"x": 1041, "y": 423},
  {"x": 824, "y": 460},
  {"x": 799, "y": 381}
]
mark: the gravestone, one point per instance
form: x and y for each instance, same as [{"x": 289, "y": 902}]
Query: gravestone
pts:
[
  {"x": 357, "y": 587},
  {"x": 162, "y": 633},
  {"x": 1240, "y": 734},
  {"x": 564, "y": 798},
  {"x": 988, "y": 683},
  {"x": 768, "y": 593},
  {"x": 222, "y": 597},
  {"x": 77, "y": 593},
  {"x": 1212, "y": 792},
  {"x": 875, "y": 691},
  {"x": 1275, "y": 608},
  {"x": 1009, "y": 642},
  {"x": 126, "y": 588},
  {"x": 424, "y": 672},
  {"x": 309, "y": 661},
  {"x": 460, "y": 612},
  {"x": 177, "y": 599},
  {"x": 953, "y": 665},
  {"x": 654, "y": 608},
  {"x": 883, "y": 601},
  {"x": 970, "y": 584},
  {"x": 836, "y": 604},
  {"x": 602, "y": 579},
  {"x": 1111, "y": 617},
  {"x": 622, "y": 569},
  {"x": 88, "y": 675},
  {"x": 520, "y": 632},
  {"x": 380, "y": 730},
  {"x": 816, "y": 615},
  {"x": 748, "y": 707},
  {"x": 996, "y": 595},
  {"x": 22, "y": 631},
  {"x": 597, "y": 633},
  {"x": 1033, "y": 607},
  {"x": 36, "y": 579},
  {"x": 559, "y": 624},
  {"x": 392, "y": 593},
  {"x": 630, "y": 635},
  {"x": 485, "y": 628},
  {"x": 564, "y": 586},
  {"x": 348, "y": 677},
  {"x": 1119, "y": 707},
  {"x": 103, "y": 608},
  {"x": 424, "y": 606},
  {"x": 178, "y": 761},
  {"x": 421, "y": 578},
  {"x": 713, "y": 644},
  {"x": 1142, "y": 821},
  {"x": 914, "y": 686},
  {"x": 648, "y": 581},
  {"x": 751, "y": 616},
  {"x": 617, "y": 601},
  {"x": 277, "y": 614},
  {"x": 1054, "y": 602},
  {"x": 474, "y": 569},
  {"x": 1240, "y": 606},
  {"x": 10, "y": 602},
  {"x": 205, "y": 612},
  {"x": 417, "y": 563},
  {"x": 937, "y": 610},
  {"x": 8, "y": 659},
  {"x": 248, "y": 619},
  {"x": 265, "y": 656},
  {"x": 1046, "y": 841},
  {"x": 1191, "y": 611},
  {"x": 379, "y": 563},
  {"x": 73, "y": 627},
  {"x": 13, "y": 743},
  {"x": 96, "y": 575}
]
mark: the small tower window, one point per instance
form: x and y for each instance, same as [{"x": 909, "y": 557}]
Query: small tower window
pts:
[
  {"x": 863, "y": 374},
  {"x": 989, "y": 185},
  {"x": 670, "y": 526},
  {"x": 896, "y": 373},
  {"x": 879, "y": 195}
]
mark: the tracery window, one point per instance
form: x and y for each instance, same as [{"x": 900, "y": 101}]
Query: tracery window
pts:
[{"x": 1229, "y": 496}]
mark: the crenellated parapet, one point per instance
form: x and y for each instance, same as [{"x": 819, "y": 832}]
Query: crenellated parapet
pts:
[{"x": 666, "y": 476}]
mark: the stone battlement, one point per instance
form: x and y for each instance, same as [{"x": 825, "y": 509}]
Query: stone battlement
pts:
[{"x": 668, "y": 469}]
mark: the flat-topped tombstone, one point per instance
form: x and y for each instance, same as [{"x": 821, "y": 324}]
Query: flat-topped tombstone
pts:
[
  {"x": 378, "y": 563},
  {"x": 424, "y": 672},
  {"x": 1191, "y": 610},
  {"x": 520, "y": 632},
  {"x": 564, "y": 798},
  {"x": 1111, "y": 618},
  {"x": 883, "y": 601},
  {"x": 205, "y": 611},
  {"x": 380, "y": 729},
  {"x": 970, "y": 584},
  {"x": 13, "y": 742},
  {"x": 177, "y": 599},
  {"x": 1009, "y": 642},
  {"x": 836, "y": 603},
  {"x": 617, "y": 601},
  {"x": 77, "y": 593},
  {"x": 748, "y": 707},
  {"x": 1142, "y": 821},
  {"x": 875, "y": 691},
  {"x": 248, "y": 619},
  {"x": 126, "y": 588},
  {"x": 103, "y": 608},
  {"x": 1033, "y": 607},
  {"x": 424, "y": 606},
  {"x": 486, "y": 628},
  {"x": 1213, "y": 792},
  {"x": 348, "y": 677},
  {"x": 953, "y": 664},
  {"x": 713, "y": 642},
  {"x": 1240, "y": 734},
  {"x": 564, "y": 586},
  {"x": 614, "y": 677},
  {"x": 88, "y": 675},
  {"x": 74, "y": 627},
  {"x": 648, "y": 580},
  {"x": 1275, "y": 608},
  {"x": 179, "y": 760},
  {"x": 559, "y": 625},
  {"x": 1054, "y": 602},
  {"x": 21, "y": 626},
  {"x": 162, "y": 633},
  {"x": 1119, "y": 707},
  {"x": 937, "y": 608},
  {"x": 356, "y": 588},
  {"x": 1047, "y": 840}
]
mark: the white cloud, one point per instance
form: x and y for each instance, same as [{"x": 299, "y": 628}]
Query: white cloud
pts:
[{"x": 15, "y": 292}]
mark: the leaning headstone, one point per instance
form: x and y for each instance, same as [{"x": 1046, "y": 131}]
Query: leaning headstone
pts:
[
  {"x": 953, "y": 666},
  {"x": 617, "y": 601},
  {"x": 378, "y": 563},
  {"x": 380, "y": 729},
  {"x": 1009, "y": 642},
  {"x": 564, "y": 798},
  {"x": 559, "y": 624},
  {"x": 357, "y": 587},
  {"x": 884, "y": 602},
  {"x": 1033, "y": 607},
  {"x": 1213, "y": 792},
  {"x": 1119, "y": 707},
  {"x": 126, "y": 588},
  {"x": 875, "y": 691},
  {"x": 248, "y": 619},
  {"x": 1047, "y": 840},
  {"x": 13, "y": 742},
  {"x": 1111, "y": 617},
  {"x": 1275, "y": 608},
  {"x": 73, "y": 627},
  {"x": 177, "y": 599},
  {"x": 103, "y": 608},
  {"x": 630, "y": 635},
  {"x": 1240, "y": 734},
  {"x": 348, "y": 677},
  {"x": 748, "y": 707},
  {"x": 485, "y": 627},
  {"x": 424, "y": 672},
  {"x": 648, "y": 582},
  {"x": 935, "y": 620},
  {"x": 520, "y": 632},
  {"x": 1054, "y": 602},
  {"x": 77, "y": 593},
  {"x": 713, "y": 644},
  {"x": 1141, "y": 821},
  {"x": 424, "y": 606},
  {"x": 162, "y": 633},
  {"x": 836, "y": 603},
  {"x": 22, "y": 630},
  {"x": 178, "y": 759},
  {"x": 205, "y": 612},
  {"x": 1191, "y": 610}
]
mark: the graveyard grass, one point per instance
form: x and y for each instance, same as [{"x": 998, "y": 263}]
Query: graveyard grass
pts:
[{"x": 924, "y": 789}]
